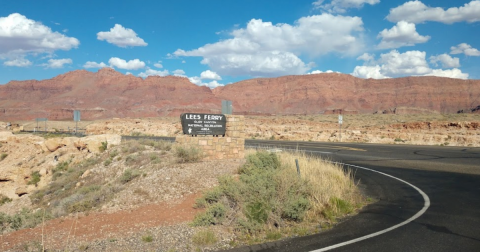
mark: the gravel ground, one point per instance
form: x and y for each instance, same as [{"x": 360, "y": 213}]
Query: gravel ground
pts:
[{"x": 151, "y": 214}]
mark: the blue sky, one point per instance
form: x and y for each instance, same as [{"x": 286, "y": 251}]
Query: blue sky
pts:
[{"x": 217, "y": 42}]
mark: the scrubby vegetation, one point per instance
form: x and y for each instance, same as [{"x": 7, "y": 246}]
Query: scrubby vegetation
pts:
[
  {"x": 264, "y": 200},
  {"x": 3, "y": 156},
  {"x": 68, "y": 193},
  {"x": 268, "y": 198}
]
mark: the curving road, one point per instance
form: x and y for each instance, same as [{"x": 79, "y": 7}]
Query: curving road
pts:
[{"x": 448, "y": 176}]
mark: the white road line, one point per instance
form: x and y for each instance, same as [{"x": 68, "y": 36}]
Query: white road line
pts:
[
  {"x": 286, "y": 149},
  {"x": 418, "y": 214}
]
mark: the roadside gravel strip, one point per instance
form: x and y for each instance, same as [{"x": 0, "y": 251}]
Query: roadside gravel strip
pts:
[{"x": 418, "y": 214}]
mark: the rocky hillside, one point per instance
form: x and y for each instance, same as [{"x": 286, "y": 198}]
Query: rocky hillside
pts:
[{"x": 108, "y": 94}]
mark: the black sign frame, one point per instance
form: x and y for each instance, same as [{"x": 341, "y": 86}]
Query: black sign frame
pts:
[{"x": 203, "y": 124}]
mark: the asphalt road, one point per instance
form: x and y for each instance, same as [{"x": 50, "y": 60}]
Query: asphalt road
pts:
[{"x": 448, "y": 176}]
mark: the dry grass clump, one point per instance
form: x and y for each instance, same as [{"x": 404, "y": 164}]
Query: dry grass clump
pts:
[{"x": 332, "y": 189}]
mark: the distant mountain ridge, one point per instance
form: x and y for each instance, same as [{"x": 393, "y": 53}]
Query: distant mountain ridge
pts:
[{"x": 108, "y": 93}]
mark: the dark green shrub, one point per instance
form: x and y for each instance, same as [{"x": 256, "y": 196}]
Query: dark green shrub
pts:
[
  {"x": 295, "y": 208},
  {"x": 215, "y": 214},
  {"x": 103, "y": 147},
  {"x": 128, "y": 175},
  {"x": 3, "y": 156},
  {"x": 4, "y": 199},
  {"x": 257, "y": 212}
]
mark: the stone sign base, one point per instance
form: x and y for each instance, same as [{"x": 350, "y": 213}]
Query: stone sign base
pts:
[{"x": 232, "y": 146}]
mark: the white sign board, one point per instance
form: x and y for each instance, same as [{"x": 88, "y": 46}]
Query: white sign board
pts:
[{"x": 340, "y": 119}]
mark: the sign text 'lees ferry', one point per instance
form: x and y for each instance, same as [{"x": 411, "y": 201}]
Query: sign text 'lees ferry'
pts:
[{"x": 203, "y": 124}]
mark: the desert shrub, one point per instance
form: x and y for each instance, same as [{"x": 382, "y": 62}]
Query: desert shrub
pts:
[
  {"x": 147, "y": 238},
  {"x": 113, "y": 154},
  {"x": 103, "y": 147},
  {"x": 162, "y": 145},
  {"x": 204, "y": 238},
  {"x": 128, "y": 175},
  {"x": 23, "y": 219},
  {"x": 154, "y": 158},
  {"x": 260, "y": 194},
  {"x": 215, "y": 214},
  {"x": 89, "y": 189},
  {"x": 34, "y": 178},
  {"x": 4, "y": 199},
  {"x": 3, "y": 156},
  {"x": 62, "y": 166},
  {"x": 132, "y": 147},
  {"x": 107, "y": 162},
  {"x": 188, "y": 154},
  {"x": 269, "y": 196}
]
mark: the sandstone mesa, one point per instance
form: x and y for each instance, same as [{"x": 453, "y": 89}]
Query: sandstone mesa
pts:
[{"x": 108, "y": 94}]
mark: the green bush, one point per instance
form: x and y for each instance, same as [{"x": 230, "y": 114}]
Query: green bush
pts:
[
  {"x": 214, "y": 215},
  {"x": 103, "y": 147},
  {"x": 188, "y": 154},
  {"x": 113, "y": 154},
  {"x": 23, "y": 219},
  {"x": 128, "y": 175},
  {"x": 265, "y": 194},
  {"x": 62, "y": 166},
  {"x": 3, "y": 156},
  {"x": 257, "y": 212},
  {"x": 154, "y": 158},
  {"x": 147, "y": 238},
  {"x": 34, "y": 178},
  {"x": 4, "y": 199},
  {"x": 107, "y": 162}
]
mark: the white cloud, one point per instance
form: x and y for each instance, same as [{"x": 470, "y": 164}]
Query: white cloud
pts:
[
  {"x": 20, "y": 36},
  {"x": 450, "y": 73},
  {"x": 465, "y": 49},
  {"x": 128, "y": 65},
  {"x": 265, "y": 49},
  {"x": 319, "y": 72},
  {"x": 57, "y": 63},
  {"x": 179, "y": 72},
  {"x": 315, "y": 72},
  {"x": 341, "y": 6},
  {"x": 152, "y": 72},
  {"x": 402, "y": 34},
  {"x": 158, "y": 65},
  {"x": 122, "y": 37},
  {"x": 19, "y": 62},
  {"x": 368, "y": 72},
  {"x": 410, "y": 63},
  {"x": 418, "y": 12},
  {"x": 446, "y": 60},
  {"x": 399, "y": 64},
  {"x": 198, "y": 81},
  {"x": 92, "y": 64},
  {"x": 195, "y": 80},
  {"x": 210, "y": 75},
  {"x": 366, "y": 57}
]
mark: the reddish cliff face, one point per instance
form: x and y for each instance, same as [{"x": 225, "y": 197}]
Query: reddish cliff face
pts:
[
  {"x": 104, "y": 94},
  {"x": 339, "y": 93},
  {"x": 107, "y": 94}
]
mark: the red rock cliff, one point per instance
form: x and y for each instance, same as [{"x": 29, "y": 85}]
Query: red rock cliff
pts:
[{"x": 108, "y": 93}]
